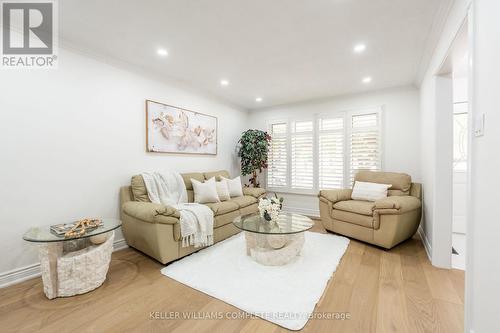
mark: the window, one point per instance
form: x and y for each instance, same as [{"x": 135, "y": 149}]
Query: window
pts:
[
  {"x": 302, "y": 155},
  {"x": 331, "y": 153},
  {"x": 364, "y": 144},
  {"x": 323, "y": 152},
  {"x": 277, "y": 170}
]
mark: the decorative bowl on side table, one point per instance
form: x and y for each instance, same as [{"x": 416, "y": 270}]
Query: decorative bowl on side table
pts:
[{"x": 73, "y": 265}]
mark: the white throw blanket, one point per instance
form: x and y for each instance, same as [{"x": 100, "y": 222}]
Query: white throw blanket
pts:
[{"x": 196, "y": 220}]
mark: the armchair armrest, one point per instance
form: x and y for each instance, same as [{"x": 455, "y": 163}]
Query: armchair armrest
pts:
[
  {"x": 402, "y": 204},
  {"x": 336, "y": 195},
  {"x": 255, "y": 192},
  {"x": 147, "y": 211}
]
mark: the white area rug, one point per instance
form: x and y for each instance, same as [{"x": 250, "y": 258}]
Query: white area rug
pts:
[{"x": 285, "y": 295}]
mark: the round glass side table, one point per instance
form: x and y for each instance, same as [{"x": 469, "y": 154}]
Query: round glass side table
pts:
[
  {"x": 73, "y": 265},
  {"x": 274, "y": 243}
]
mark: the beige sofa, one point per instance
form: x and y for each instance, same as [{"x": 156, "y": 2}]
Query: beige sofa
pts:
[
  {"x": 386, "y": 222},
  {"x": 154, "y": 229}
]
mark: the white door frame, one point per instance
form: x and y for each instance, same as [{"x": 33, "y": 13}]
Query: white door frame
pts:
[
  {"x": 470, "y": 152},
  {"x": 443, "y": 173},
  {"x": 442, "y": 211}
]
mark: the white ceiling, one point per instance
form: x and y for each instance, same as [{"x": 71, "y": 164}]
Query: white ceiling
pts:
[{"x": 281, "y": 50}]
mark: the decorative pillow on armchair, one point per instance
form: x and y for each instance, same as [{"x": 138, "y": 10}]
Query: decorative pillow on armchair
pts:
[{"x": 369, "y": 191}]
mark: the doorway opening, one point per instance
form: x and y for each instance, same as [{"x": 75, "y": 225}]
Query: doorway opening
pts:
[{"x": 453, "y": 94}]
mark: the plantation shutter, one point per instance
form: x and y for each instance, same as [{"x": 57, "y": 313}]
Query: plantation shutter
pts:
[
  {"x": 277, "y": 157},
  {"x": 302, "y": 168},
  {"x": 324, "y": 151},
  {"x": 365, "y": 152},
  {"x": 331, "y": 153}
]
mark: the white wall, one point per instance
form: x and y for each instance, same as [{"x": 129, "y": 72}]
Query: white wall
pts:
[
  {"x": 401, "y": 130},
  {"x": 71, "y": 137},
  {"x": 432, "y": 144},
  {"x": 483, "y": 267}
]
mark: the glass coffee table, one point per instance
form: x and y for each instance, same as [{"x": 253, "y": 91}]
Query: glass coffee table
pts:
[
  {"x": 274, "y": 243},
  {"x": 74, "y": 265}
]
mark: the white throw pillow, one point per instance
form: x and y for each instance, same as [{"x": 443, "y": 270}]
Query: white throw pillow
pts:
[
  {"x": 234, "y": 186},
  {"x": 222, "y": 190},
  {"x": 369, "y": 191},
  {"x": 205, "y": 192}
]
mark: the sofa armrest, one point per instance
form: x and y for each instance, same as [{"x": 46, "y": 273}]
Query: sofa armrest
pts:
[
  {"x": 402, "y": 204},
  {"x": 148, "y": 211},
  {"x": 336, "y": 195},
  {"x": 255, "y": 192}
]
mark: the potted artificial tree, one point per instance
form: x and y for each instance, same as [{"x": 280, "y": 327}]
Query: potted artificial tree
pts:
[{"x": 254, "y": 146}]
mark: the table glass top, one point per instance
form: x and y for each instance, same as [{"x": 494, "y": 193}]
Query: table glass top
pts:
[
  {"x": 287, "y": 223},
  {"x": 43, "y": 234}
]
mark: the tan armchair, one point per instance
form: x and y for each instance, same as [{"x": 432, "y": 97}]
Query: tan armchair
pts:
[{"x": 386, "y": 222}]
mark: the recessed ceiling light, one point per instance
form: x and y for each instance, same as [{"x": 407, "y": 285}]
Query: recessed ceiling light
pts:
[
  {"x": 258, "y": 99},
  {"x": 359, "y": 48},
  {"x": 162, "y": 52},
  {"x": 367, "y": 79},
  {"x": 224, "y": 82}
]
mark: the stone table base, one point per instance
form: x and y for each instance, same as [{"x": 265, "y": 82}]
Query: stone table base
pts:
[
  {"x": 74, "y": 267},
  {"x": 273, "y": 250}
]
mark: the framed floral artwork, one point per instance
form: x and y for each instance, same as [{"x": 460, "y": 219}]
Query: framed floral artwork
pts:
[{"x": 170, "y": 129}]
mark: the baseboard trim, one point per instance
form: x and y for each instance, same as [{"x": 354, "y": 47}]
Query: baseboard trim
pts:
[
  {"x": 19, "y": 275},
  {"x": 119, "y": 244},
  {"x": 425, "y": 241},
  {"x": 303, "y": 211},
  {"x": 32, "y": 271}
]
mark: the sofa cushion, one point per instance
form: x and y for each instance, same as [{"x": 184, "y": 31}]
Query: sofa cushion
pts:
[
  {"x": 139, "y": 190},
  {"x": 356, "y": 206},
  {"x": 244, "y": 201},
  {"x": 399, "y": 181},
  {"x": 224, "y": 219},
  {"x": 216, "y": 174},
  {"x": 224, "y": 207},
  {"x": 255, "y": 192},
  {"x": 395, "y": 193},
  {"x": 361, "y": 220},
  {"x": 249, "y": 209},
  {"x": 190, "y": 194},
  {"x": 187, "y": 179},
  {"x": 219, "y": 221}
]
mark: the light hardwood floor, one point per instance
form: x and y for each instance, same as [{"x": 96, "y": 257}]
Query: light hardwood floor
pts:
[{"x": 383, "y": 291}]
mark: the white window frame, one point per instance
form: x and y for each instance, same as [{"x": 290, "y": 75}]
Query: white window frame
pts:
[
  {"x": 359, "y": 112},
  {"x": 269, "y": 125},
  {"x": 344, "y": 116},
  {"x": 347, "y": 116},
  {"x": 291, "y": 124}
]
